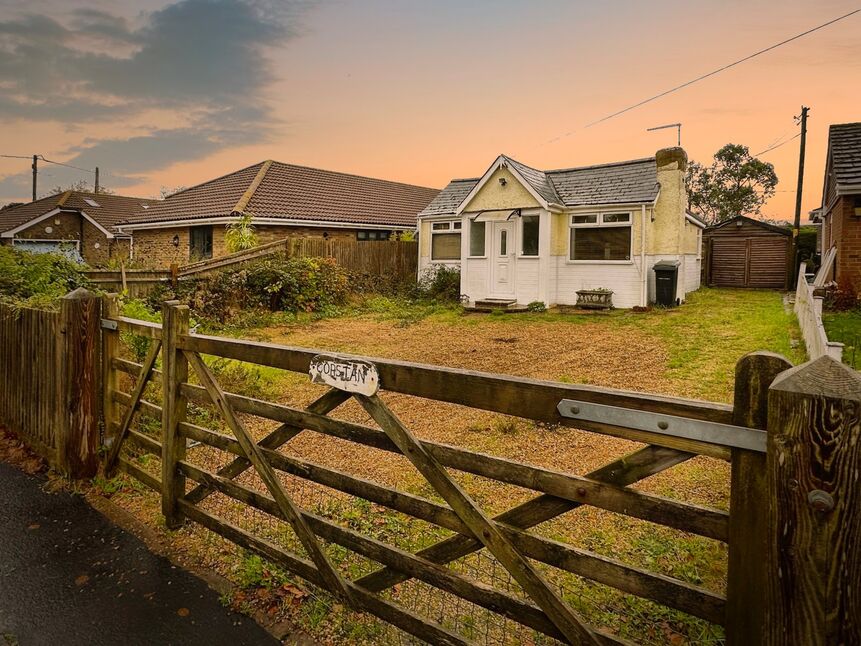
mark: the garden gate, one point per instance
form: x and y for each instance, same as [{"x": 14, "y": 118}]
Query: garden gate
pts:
[{"x": 790, "y": 585}]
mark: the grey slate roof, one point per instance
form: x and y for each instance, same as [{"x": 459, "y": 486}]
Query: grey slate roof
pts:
[
  {"x": 844, "y": 145},
  {"x": 628, "y": 182}
]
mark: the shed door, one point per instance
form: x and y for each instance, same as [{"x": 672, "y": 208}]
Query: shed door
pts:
[{"x": 758, "y": 261}]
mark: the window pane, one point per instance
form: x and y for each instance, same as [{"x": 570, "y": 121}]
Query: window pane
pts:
[
  {"x": 455, "y": 225},
  {"x": 530, "y": 235},
  {"x": 476, "y": 238},
  {"x": 616, "y": 217},
  {"x": 445, "y": 246},
  {"x": 441, "y": 226},
  {"x": 601, "y": 243},
  {"x": 200, "y": 241},
  {"x": 591, "y": 218},
  {"x": 503, "y": 242},
  {"x": 361, "y": 235}
]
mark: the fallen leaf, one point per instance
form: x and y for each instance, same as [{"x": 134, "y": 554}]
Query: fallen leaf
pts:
[
  {"x": 82, "y": 579},
  {"x": 183, "y": 612}
]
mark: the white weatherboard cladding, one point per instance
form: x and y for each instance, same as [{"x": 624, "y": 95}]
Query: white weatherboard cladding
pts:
[
  {"x": 474, "y": 280},
  {"x": 693, "y": 272},
  {"x": 623, "y": 279},
  {"x": 527, "y": 280}
]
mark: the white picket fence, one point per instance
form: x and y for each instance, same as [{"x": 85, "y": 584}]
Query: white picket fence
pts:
[{"x": 808, "y": 309}]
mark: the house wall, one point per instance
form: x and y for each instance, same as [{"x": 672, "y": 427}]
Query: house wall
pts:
[
  {"x": 845, "y": 229},
  {"x": 665, "y": 236},
  {"x": 154, "y": 248},
  {"x": 493, "y": 195},
  {"x": 95, "y": 247}
]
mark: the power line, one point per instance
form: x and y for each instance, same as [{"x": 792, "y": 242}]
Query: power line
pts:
[
  {"x": 17, "y": 156},
  {"x": 709, "y": 74},
  {"x": 767, "y": 150},
  {"x": 48, "y": 161}
]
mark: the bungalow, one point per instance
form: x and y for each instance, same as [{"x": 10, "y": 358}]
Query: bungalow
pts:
[
  {"x": 519, "y": 234},
  {"x": 283, "y": 200},
  {"x": 81, "y": 225},
  {"x": 840, "y": 213}
]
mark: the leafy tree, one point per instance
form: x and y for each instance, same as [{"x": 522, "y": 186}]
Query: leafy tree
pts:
[
  {"x": 240, "y": 235},
  {"x": 736, "y": 183},
  {"x": 81, "y": 186}
]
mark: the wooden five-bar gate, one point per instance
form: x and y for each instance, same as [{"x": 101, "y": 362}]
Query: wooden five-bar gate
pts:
[{"x": 791, "y": 436}]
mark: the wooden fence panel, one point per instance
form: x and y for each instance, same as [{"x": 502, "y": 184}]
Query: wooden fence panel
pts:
[{"x": 29, "y": 394}]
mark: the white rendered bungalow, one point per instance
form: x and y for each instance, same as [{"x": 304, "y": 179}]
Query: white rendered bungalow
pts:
[{"x": 520, "y": 234}]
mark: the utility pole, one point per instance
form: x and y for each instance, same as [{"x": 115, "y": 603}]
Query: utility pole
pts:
[
  {"x": 97, "y": 180},
  {"x": 35, "y": 172},
  {"x": 793, "y": 267}
]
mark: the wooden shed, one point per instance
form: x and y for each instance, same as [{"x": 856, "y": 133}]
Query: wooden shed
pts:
[{"x": 743, "y": 252}]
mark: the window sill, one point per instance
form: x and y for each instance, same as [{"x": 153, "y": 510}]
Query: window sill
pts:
[
  {"x": 599, "y": 262},
  {"x": 522, "y": 257},
  {"x": 476, "y": 257},
  {"x": 445, "y": 261}
]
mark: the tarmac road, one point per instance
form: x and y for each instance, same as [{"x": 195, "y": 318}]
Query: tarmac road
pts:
[{"x": 68, "y": 576}]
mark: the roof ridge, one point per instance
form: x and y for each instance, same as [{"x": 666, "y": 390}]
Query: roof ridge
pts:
[
  {"x": 65, "y": 196},
  {"x": 517, "y": 161},
  {"x": 608, "y": 164},
  {"x": 249, "y": 192},
  {"x": 214, "y": 179}
]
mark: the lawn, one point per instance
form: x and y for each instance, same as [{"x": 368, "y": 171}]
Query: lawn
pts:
[
  {"x": 845, "y": 327},
  {"x": 689, "y": 351}
]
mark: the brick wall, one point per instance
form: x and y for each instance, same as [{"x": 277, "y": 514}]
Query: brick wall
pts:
[
  {"x": 96, "y": 249},
  {"x": 154, "y": 248},
  {"x": 847, "y": 235}
]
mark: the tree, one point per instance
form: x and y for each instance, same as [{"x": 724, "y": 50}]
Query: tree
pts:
[
  {"x": 82, "y": 186},
  {"x": 240, "y": 235},
  {"x": 736, "y": 183}
]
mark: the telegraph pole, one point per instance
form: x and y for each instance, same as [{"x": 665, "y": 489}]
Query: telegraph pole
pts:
[
  {"x": 804, "y": 111},
  {"x": 97, "y": 181},
  {"x": 35, "y": 172},
  {"x": 793, "y": 266}
]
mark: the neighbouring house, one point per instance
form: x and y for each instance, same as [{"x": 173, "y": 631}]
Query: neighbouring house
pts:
[
  {"x": 283, "y": 200},
  {"x": 521, "y": 234},
  {"x": 743, "y": 252},
  {"x": 80, "y": 225},
  {"x": 840, "y": 212}
]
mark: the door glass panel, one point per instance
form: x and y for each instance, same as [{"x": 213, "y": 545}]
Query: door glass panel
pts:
[{"x": 503, "y": 242}]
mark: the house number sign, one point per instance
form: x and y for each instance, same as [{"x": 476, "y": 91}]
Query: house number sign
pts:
[{"x": 349, "y": 375}]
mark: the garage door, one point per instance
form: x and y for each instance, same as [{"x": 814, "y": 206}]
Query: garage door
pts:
[
  {"x": 749, "y": 262},
  {"x": 68, "y": 248}
]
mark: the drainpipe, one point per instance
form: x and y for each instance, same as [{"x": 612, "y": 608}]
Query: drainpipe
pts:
[{"x": 644, "y": 282}]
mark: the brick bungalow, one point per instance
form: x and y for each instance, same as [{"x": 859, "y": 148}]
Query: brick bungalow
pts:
[
  {"x": 284, "y": 200},
  {"x": 78, "y": 224},
  {"x": 840, "y": 212}
]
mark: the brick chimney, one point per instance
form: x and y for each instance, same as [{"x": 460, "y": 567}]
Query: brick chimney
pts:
[{"x": 673, "y": 201}]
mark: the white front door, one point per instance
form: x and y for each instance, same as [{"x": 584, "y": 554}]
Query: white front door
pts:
[{"x": 502, "y": 260}]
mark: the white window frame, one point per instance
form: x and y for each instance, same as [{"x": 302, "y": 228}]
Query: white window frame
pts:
[
  {"x": 600, "y": 224},
  {"x": 469, "y": 241},
  {"x": 520, "y": 236},
  {"x": 453, "y": 226}
]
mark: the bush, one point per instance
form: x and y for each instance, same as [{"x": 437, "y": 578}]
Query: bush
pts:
[
  {"x": 439, "y": 282},
  {"x": 276, "y": 284},
  {"x": 28, "y": 276},
  {"x": 844, "y": 297},
  {"x": 137, "y": 344},
  {"x": 537, "y": 306}
]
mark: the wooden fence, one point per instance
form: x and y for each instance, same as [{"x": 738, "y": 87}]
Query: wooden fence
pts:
[
  {"x": 791, "y": 436},
  {"x": 137, "y": 283},
  {"x": 395, "y": 258},
  {"x": 49, "y": 368},
  {"x": 808, "y": 310}
]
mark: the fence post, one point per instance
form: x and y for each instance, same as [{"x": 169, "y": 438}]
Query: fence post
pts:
[
  {"x": 78, "y": 377},
  {"x": 174, "y": 373},
  {"x": 747, "y": 576},
  {"x": 814, "y": 510},
  {"x": 110, "y": 376}
]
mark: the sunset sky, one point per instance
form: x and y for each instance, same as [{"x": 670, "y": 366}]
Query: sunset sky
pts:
[{"x": 163, "y": 94}]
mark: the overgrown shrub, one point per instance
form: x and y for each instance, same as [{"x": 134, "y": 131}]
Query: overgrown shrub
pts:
[
  {"x": 27, "y": 277},
  {"x": 844, "y": 297},
  {"x": 276, "y": 284},
  {"x": 537, "y": 306},
  {"x": 439, "y": 282}
]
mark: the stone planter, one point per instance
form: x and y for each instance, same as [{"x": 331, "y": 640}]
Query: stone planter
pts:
[{"x": 595, "y": 299}]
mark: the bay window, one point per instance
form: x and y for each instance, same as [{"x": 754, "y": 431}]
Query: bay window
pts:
[
  {"x": 529, "y": 246},
  {"x": 445, "y": 240},
  {"x": 477, "y": 239},
  {"x": 600, "y": 237}
]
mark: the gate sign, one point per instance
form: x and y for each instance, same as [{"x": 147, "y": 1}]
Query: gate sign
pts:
[{"x": 349, "y": 375}]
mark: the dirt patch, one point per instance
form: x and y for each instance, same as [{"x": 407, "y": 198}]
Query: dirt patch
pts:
[{"x": 15, "y": 452}]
